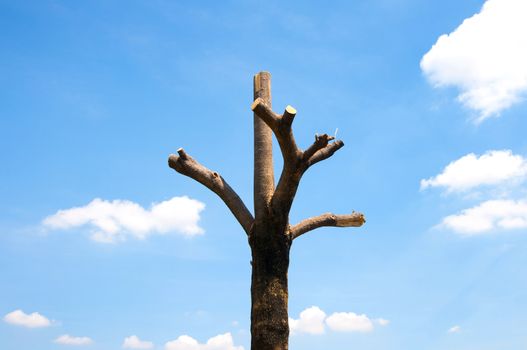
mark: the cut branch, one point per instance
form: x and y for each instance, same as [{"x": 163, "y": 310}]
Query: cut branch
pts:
[
  {"x": 289, "y": 115},
  {"x": 325, "y": 152},
  {"x": 186, "y": 165},
  {"x": 349, "y": 220}
]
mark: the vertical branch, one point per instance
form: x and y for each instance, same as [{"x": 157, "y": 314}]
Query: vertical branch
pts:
[{"x": 263, "y": 150}]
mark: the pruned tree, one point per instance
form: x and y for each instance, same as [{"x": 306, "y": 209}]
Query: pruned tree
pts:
[{"x": 269, "y": 233}]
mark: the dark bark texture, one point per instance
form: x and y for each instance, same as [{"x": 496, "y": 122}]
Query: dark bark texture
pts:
[
  {"x": 269, "y": 292},
  {"x": 270, "y": 235}
]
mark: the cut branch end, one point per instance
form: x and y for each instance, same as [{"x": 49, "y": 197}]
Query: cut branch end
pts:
[
  {"x": 289, "y": 115},
  {"x": 352, "y": 220},
  {"x": 290, "y": 109}
]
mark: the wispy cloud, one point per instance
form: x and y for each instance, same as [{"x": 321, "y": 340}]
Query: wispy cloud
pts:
[
  {"x": 219, "y": 342},
  {"x": 76, "y": 341},
  {"x": 114, "y": 221},
  {"x": 454, "y": 329},
  {"x": 470, "y": 171},
  {"x": 382, "y": 322},
  {"x": 33, "y": 320},
  {"x": 485, "y": 57}
]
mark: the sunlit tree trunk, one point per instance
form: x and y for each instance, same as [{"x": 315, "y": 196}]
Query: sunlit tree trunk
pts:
[
  {"x": 269, "y": 244},
  {"x": 269, "y": 232}
]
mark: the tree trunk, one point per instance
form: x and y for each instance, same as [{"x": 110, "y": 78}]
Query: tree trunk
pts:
[
  {"x": 268, "y": 241},
  {"x": 270, "y": 247},
  {"x": 270, "y": 235}
]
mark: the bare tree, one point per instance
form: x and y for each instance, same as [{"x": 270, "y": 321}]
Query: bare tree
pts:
[{"x": 269, "y": 232}]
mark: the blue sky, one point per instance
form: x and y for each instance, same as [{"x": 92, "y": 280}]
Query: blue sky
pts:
[{"x": 96, "y": 95}]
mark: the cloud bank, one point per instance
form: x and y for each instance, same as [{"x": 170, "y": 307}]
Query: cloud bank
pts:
[
  {"x": 485, "y": 58},
  {"x": 114, "y": 221},
  {"x": 33, "y": 320}
]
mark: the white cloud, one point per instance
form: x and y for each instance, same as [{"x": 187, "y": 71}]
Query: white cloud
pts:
[
  {"x": 488, "y": 216},
  {"x": 33, "y": 320},
  {"x": 115, "y": 220},
  {"x": 349, "y": 322},
  {"x": 133, "y": 342},
  {"x": 311, "y": 321},
  {"x": 455, "y": 329},
  {"x": 485, "y": 57},
  {"x": 467, "y": 172},
  {"x": 219, "y": 342},
  {"x": 76, "y": 341}
]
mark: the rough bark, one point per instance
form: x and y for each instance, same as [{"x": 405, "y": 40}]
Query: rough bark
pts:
[
  {"x": 270, "y": 236},
  {"x": 269, "y": 245},
  {"x": 269, "y": 291}
]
